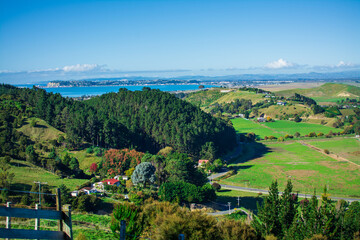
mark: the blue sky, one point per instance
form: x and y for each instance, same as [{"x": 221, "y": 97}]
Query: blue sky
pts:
[{"x": 75, "y": 39}]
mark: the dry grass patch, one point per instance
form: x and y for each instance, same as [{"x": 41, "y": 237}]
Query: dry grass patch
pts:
[{"x": 302, "y": 173}]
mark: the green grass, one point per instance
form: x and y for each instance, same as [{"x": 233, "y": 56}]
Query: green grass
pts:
[
  {"x": 290, "y": 127},
  {"x": 26, "y": 174},
  {"x": 245, "y": 126},
  {"x": 204, "y": 98},
  {"x": 42, "y": 132},
  {"x": 278, "y": 128},
  {"x": 308, "y": 168},
  {"x": 276, "y": 111},
  {"x": 348, "y": 148},
  {"x": 248, "y": 200},
  {"x": 92, "y": 226}
]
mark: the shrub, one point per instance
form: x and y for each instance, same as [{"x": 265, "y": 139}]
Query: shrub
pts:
[
  {"x": 320, "y": 134},
  {"x": 216, "y": 186},
  {"x": 312, "y": 134},
  {"x": 326, "y": 151}
]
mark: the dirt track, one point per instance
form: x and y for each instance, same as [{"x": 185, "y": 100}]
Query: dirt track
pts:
[{"x": 333, "y": 156}]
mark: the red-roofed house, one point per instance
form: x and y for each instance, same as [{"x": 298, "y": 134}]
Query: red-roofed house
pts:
[
  {"x": 111, "y": 182},
  {"x": 202, "y": 162}
]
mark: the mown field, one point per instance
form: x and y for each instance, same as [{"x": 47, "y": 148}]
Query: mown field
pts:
[
  {"x": 290, "y": 127},
  {"x": 246, "y": 126},
  {"x": 308, "y": 168},
  {"x": 279, "y": 128},
  {"x": 348, "y": 148}
]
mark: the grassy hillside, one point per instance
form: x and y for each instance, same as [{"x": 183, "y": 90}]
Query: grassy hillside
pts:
[
  {"x": 204, "y": 98},
  {"x": 276, "y": 111},
  {"x": 26, "y": 174},
  {"x": 329, "y": 92},
  {"x": 237, "y": 94},
  {"x": 41, "y": 132}
]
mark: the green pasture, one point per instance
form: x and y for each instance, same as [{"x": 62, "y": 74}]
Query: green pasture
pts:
[
  {"x": 26, "y": 174},
  {"x": 245, "y": 126},
  {"x": 348, "y": 148},
  {"x": 289, "y": 127},
  {"x": 307, "y": 168}
]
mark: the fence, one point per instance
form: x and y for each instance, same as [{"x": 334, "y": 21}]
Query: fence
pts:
[{"x": 63, "y": 217}]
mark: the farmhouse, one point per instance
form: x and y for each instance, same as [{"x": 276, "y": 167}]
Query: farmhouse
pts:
[
  {"x": 202, "y": 162},
  {"x": 111, "y": 182},
  {"x": 123, "y": 177},
  {"x": 261, "y": 119},
  {"x": 281, "y": 103}
]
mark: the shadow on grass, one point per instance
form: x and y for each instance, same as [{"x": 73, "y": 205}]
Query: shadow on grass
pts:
[
  {"x": 40, "y": 126},
  {"x": 20, "y": 186},
  {"x": 247, "y": 202},
  {"x": 251, "y": 150}
]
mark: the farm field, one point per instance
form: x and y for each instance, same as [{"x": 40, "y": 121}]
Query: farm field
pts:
[
  {"x": 348, "y": 148},
  {"x": 279, "y": 128},
  {"x": 290, "y": 127},
  {"x": 25, "y": 175},
  {"x": 307, "y": 168},
  {"x": 245, "y": 126}
]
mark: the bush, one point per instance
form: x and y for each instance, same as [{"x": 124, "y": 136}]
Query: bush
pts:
[
  {"x": 216, "y": 186},
  {"x": 320, "y": 134},
  {"x": 326, "y": 151}
]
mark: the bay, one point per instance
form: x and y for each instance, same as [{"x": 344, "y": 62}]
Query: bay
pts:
[{"x": 99, "y": 90}]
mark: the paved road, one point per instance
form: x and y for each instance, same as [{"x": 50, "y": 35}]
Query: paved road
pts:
[{"x": 227, "y": 212}]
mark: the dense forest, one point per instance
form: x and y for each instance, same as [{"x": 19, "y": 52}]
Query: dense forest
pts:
[{"x": 146, "y": 120}]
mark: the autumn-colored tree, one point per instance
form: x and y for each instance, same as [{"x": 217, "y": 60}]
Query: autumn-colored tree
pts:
[
  {"x": 118, "y": 161},
  {"x": 93, "y": 167}
]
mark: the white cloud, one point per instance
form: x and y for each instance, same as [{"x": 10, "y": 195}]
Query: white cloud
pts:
[
  {"x": 344, "y": 64},
  {"x": 281, "y": 63},
  {"x": 81, "y": 68}
]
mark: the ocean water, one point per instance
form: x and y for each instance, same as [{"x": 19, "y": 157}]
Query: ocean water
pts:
[{"x": 99, "y": 90}]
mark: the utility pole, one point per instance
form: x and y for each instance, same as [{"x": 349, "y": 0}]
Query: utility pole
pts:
[
  {"x": 229, "y": 203},
  {"x": 40, "y": 191}
]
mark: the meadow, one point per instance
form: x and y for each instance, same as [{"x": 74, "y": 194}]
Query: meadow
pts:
[
  {"x": 348, "y": 148},
  {"x": 26, "y": 174},
  {"x": 289, "y": 127},
  {"x": 242, "y": 125},
  {"x": 279, "y": 127},
  {"x": 308, "y": 169}
]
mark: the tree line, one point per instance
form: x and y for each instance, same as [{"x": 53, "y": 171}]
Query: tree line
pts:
[{"x": 146, "y": 120}]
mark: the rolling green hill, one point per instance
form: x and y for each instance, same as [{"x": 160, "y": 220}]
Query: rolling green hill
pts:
[{"x": 329, "y": 92}]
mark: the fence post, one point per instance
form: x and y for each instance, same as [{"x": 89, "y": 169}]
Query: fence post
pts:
[
  {"x": 8, "y": 219},
  {"x": 122, "y": 230},
  {"x": 68, "y": 222},
  {"x": 181, "y": 237},
  {"x": 59, "y": 208}
]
